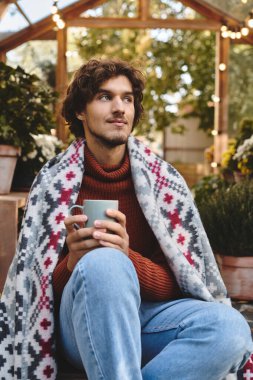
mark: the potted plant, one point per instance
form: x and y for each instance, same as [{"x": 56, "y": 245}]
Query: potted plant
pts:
[
  {"x": 227, "y": 215},
  {"x": 25, "y": 109},
  {"x": 28, "y": 166}
]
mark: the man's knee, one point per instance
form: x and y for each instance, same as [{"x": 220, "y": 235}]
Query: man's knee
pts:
[
  {"x": 231, "y": 333},
  {"x": 107, "y": 271}
]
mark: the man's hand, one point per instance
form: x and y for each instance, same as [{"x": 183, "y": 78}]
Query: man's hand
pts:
[
  {"x": 105, "y": 233},
  {"x": 112, "y": 233},
  {"x": 79, "y": 241}
]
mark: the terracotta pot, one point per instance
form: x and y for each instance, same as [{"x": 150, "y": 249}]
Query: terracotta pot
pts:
[
  {"x": 237, "y": 273},
  {"x": 8, "y": 159}
]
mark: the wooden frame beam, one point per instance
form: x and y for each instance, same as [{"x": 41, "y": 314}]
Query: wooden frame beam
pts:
[
  {"x": 144, "y": 6},
  {"x": 151, "y": 23},
  {"x": 222, "y": 96},
  {"x": 2, "y": 57},
  {"x": 61, "y": 80}
]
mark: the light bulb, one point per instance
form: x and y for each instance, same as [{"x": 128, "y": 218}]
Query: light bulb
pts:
[
  {"x": 224, "y": 28},
  {"x": 56, "y": 17},
  {"x": 238, "y": 35},
  {"x": 250, "y": 20},
  {"x": 61, "y": 24},
  {"x": 233, "y": 35},
  {"x": 214, "y": 132},
  {"x": 222, "y": 66},
  {"x": 250, "y": 23},
  {"x": 215, "y": 98},
  {"x": 225, "y": 34},
  {"x": 245, "y": 31},
  {"x": 214, "y": 164},
  {"x": 54, "y": 9}
]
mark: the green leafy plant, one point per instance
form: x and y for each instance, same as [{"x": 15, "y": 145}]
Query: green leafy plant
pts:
[
  {"x": 26, "y": 108},
  {"x": 207, "y": 186},
  {"x": 227, "y": 215}
]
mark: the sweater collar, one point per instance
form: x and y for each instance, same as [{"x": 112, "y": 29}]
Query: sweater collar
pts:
[{"x": 106, "y": 172}]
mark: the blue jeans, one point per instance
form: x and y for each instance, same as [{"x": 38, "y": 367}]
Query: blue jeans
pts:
[{"x": 106, "y": 329}]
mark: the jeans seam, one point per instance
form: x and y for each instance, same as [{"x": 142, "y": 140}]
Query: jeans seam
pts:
[
  {"x": 81, "y": 272},
  {"x": 180, "y": 326}
]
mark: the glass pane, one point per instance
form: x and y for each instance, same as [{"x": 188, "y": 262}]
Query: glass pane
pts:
[
  {"x": 114, "y": 8},
  {"x": 37, "y": 10},
  {"x": 171, "y": 9},
  {"x": 238, "y": 9},
  {"x": 11, "y": 22}
]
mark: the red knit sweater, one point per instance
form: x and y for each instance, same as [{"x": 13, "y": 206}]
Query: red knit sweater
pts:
[{"x": 157, "y": 281}]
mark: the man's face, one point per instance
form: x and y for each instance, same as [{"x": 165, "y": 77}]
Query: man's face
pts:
[{"x": 108, "y": 118}]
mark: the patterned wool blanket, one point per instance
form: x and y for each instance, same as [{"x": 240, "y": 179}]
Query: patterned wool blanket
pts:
[{"x": 27, "y": 339}]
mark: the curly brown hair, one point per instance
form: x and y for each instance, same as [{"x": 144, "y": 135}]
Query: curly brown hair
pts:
[{"x": 86, "y": 83}]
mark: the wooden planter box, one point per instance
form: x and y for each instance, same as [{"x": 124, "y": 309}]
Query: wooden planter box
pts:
[{"x": 237, "y": 273}]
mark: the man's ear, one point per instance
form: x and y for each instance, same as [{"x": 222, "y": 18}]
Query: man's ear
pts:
[{"x": 81, "y": 116}]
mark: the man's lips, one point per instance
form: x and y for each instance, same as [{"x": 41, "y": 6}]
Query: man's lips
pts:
[{"x": 117, "y": 121}]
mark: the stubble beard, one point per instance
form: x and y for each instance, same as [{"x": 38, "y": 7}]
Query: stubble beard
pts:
[{"x": 110, "y": 142}]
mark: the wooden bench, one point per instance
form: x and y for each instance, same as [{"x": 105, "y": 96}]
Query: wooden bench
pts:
[{"x": 9, "y": 205}]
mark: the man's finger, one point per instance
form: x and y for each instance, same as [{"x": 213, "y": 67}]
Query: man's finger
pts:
[
  {"x": 73, "y": 220},
  {"x": 118, "y": 215}
]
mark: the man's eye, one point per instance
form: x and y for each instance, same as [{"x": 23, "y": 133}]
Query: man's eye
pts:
[
  {"x": 104, "y": 97},
  {"x": 128, "y": 99}
]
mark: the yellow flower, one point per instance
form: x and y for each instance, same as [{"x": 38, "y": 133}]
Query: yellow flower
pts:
[{"x": 228, "y": 154}]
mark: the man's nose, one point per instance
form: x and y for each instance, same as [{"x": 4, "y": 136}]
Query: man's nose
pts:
[{"x": 118, "y": 105}]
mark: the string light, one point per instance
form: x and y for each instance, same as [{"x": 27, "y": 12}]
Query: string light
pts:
[
  {"x": 240, "y": 31},
  {"x": 214, "y": 132},
  {"x": 224, "y": 28},
  {"x": 233, "y": 35},
  {"x": 60, "y": 24},
  {"x": 222, "y": 66},
  {"x": 56, "y": 17},
  {"x": 214, "y": 164},
  {"x": 238, "y": 34},
  {"x": 54, "y": 9},
  {"x": 250, "y": 20},
  {"x": 244, "y": 30},
  {"x": 226, "y": 33},
  {"x": 215, "y": 98}
]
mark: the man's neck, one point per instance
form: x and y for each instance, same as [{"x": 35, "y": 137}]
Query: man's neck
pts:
[{"x": 108, "y": 156}]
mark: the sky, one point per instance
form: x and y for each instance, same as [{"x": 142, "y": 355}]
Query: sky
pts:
[{"x": 35, "y": 11}]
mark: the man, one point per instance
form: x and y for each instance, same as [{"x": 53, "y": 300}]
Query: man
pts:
[{"x": 136, "y": 295}]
